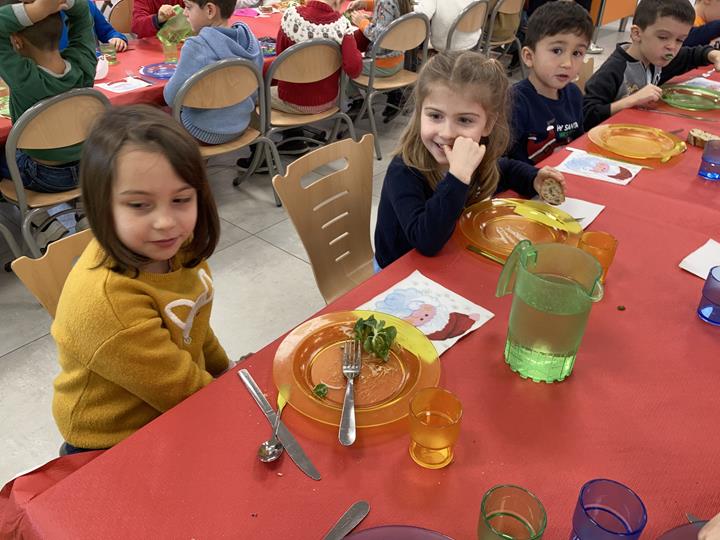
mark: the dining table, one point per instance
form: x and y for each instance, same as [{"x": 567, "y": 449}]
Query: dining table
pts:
[{"x": 641, "y": 407}]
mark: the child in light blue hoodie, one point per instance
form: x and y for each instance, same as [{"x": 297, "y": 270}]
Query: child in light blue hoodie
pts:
[{"x": 215, "y": 40}]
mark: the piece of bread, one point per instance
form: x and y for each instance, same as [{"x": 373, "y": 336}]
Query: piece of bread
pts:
[
  {"x": 698, "y": 137},
  {"x": 552, "y": 192}
]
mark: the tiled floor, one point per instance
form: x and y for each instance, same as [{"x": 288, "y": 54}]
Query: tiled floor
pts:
[{"x": 260, "y": 268}]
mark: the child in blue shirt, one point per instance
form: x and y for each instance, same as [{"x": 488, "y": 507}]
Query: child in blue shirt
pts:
[
  {"x": 215, "y": 40},
  {"x": 547, "y": 106},
  {"x": 104, "y": 31}
]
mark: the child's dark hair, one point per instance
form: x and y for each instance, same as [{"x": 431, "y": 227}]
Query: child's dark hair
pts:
[
  {"x": 226, "y": 7},
  {"x": 151, "y": 130},
  {"x": 558, "y": 17},
  {"x": 649, "y": 11},
  {"x": 474, "y": 76},
  {"x": 406, "y": 6},
  {"x": 45, "y": 34}
]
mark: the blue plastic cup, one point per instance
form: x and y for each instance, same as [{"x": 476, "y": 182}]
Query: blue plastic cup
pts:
[
  {"x": 608, "y": 510},
  {"x": 710, "y": 162},
  {"x": 709, "y": 308}
]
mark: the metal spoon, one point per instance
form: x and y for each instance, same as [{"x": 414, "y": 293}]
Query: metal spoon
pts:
[{"x": 271, "y": 449}]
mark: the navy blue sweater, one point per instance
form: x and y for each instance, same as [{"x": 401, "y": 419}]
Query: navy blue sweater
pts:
[
  {"x": 412, "y": 215},
  {"x": 540, "y": 124},
  {"x": 703, "y": 34}
]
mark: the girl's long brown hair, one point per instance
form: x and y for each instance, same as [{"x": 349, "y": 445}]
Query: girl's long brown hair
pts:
[
  {"x": 152, "y": 130},
  {"x": 474, "y": 76}
]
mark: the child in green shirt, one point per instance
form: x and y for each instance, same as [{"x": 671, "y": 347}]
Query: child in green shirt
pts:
[{"x": 34, "y": 69}]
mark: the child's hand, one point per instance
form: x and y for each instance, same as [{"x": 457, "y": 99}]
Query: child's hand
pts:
[
  {"x": 40, "y": 9},
  {"x": 546, "y": 173},
  {"x": 355, "y": 4},
  {"x": 647, "y": 94},
  {"x": 711, "y": 530},
  {"x": 356, "y": 17},
  {"x": 118, "y": 43},
  {"x": 165, "y": 13},
  {"x": 464, "y": 157}
]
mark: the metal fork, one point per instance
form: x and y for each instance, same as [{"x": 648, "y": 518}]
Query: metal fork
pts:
[{"x": 352, "y": 353}]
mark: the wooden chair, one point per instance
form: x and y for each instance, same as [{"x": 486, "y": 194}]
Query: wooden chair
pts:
[
  {"x": 586, "y": 71},
  {"x": 471, "y": 19},
  {"x": 55, "y": 122},
  {"x": 403, "y": 34},
  {"x": 504, "y": 7},
  {"x": 332, "y": 214},
  {"x": 306, "y": 62},
  {"x": 223, "y": 84},
  {"x": 120, "y": 16},
  {"x": 45, "y": 277}
]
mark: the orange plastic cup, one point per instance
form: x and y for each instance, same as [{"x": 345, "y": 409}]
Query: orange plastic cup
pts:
[
  {"x": 600, "y": 245},
  {"x": 434, "y": 427}
]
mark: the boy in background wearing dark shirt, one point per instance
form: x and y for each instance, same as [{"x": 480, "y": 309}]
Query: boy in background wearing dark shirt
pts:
[
  {"x": 633, "y": 73},
  {"x": 547, "y": 106}
]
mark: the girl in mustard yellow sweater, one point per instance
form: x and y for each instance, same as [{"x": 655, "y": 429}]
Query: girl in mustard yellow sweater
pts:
[{"x": 133, "y": 322}]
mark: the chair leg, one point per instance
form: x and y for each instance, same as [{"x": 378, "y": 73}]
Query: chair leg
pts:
[
  {"x": 254, "y": 164},
  {"x": 334, "y": 131},
  {"x": 373, "y": 127},
  {"x": 27, "y": 233},
  {"x": 351, "y": 127},
  {"x": 272, "y": 157}
]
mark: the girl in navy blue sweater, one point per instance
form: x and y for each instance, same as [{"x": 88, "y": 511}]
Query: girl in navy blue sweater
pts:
[{"x": 449, "y": 156}]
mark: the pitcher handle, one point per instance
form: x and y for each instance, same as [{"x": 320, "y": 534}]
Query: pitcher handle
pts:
[
  {"x": 597, "y": 292},
  {"x": 522, "y": 251}
]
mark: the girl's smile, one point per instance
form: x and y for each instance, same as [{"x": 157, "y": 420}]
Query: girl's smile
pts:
[{"x": 446, "y": 115}]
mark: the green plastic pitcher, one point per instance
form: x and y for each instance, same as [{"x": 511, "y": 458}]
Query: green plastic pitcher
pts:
[
  {"x": 554, "y": 286},
  {"x": 176, "y": 29}
]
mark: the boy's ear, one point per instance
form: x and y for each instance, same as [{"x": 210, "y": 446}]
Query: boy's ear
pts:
[
  {"x": 527, "y": 55},
  {"x": 635, "y": 32},
  {"x": 17, "y": 42},
  {"x": 212, "y": 10}
]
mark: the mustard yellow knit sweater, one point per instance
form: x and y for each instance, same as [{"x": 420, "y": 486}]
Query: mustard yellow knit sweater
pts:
[{"x": 130, "y": 348}]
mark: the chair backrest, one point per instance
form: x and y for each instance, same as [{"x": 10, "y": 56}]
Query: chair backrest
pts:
[
  {"x": 120, "y": 16},
  {"x": 306, "y": 62},
  {"x": 404, "y": 33},
  {"x": 586, "y": 72},
  {"x": 221, "y": 84},
  {"x": 45, "y": 277},
  {"x": 74, "y": 111},
  {"x": 471, "y": 19},
  {"x": 332, "y": 214},
  {"x": 510, "y": 7},
  {"x": 502, "y": 7}
]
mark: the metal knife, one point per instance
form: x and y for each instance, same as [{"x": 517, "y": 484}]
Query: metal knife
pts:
[
  {"x": 287, "y": 439},
  {"x": 348, "y": 521}
]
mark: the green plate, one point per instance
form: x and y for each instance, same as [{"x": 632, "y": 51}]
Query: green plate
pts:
[{"x": 692, "y": 98}]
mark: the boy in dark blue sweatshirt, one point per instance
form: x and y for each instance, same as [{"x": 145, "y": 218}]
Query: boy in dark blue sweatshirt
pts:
[{"x": 547, "y": 106}]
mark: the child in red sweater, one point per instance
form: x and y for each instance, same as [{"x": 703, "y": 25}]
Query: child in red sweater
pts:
[
  {"x": 149, "y": 15},
  {"x": 316, "y": 19}
]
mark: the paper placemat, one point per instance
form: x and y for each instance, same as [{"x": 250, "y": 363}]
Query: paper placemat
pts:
[
  {"x": 128, "y": 84},
  {"x": 582, "y": 163},
  {"x": 700, "y": 261},
  {"x": 439, "y": 313}
]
